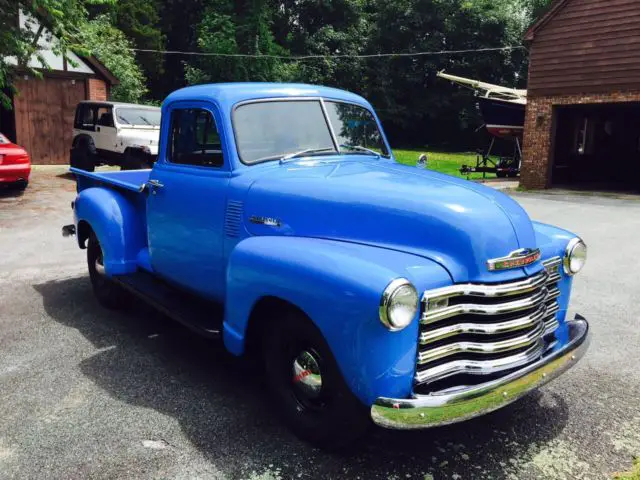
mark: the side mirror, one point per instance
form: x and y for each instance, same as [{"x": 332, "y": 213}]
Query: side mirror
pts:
[{"x": 422, "y": 161}]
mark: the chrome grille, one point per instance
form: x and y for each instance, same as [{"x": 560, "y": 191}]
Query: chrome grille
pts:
[{"x": 485, "y": 329}]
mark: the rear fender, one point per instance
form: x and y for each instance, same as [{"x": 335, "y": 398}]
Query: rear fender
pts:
[
  {"x": 117, "y": 224},
  {"x": 339, "y": 286}
]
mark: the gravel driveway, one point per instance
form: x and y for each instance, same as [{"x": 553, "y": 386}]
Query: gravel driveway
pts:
[{"x": 88, "y": 393}]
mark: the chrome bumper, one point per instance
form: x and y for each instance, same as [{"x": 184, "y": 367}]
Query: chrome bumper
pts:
[{"x": 424, "y": 411}]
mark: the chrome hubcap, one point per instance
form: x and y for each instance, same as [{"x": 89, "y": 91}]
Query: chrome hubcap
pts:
[{"x": 307, "y": 378}]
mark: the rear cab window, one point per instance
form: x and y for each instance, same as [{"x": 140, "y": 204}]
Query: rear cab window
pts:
[{"x": 194, "y": 138}]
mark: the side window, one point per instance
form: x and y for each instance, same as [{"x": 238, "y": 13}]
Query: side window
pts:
[
  {"x": 194, "y": 138},
  {"x": 85, "y": 117},
  {"x": 105, "y": 117}
]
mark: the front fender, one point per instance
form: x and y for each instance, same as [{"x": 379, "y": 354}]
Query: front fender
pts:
[
  {"x": 116, "y": 222},
  {"x": 552, "y": 242},
  {"x": 339, "y": 286}
]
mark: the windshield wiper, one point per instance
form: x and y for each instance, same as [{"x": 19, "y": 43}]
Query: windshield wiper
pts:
[
  {"x": 360, "y": 148},
  {"x": 121, "y": 118},
  {"x": 289, "y": 156}
]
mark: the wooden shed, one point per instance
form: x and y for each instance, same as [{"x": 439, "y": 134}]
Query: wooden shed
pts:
[
  {"x": 41, "y": 119},
  {"x": 583, "y": 103}
]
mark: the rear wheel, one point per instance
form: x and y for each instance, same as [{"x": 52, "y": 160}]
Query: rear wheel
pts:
[
  {"x": 82, "y": 158},
  {"x": 307, "y": 386},
  {"x": 134, "y": 160},
  {"x": 108, "y": 293}
]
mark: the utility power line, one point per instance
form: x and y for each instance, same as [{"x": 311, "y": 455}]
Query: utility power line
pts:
[{"x": 327, "y": 57}]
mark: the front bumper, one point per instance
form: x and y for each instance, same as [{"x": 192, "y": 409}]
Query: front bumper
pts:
[{"x": 425, "y": 411}]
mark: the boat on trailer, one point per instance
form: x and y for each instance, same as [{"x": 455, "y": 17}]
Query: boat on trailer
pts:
[
  {"x": 503, "y": 112},
  {"x": 502, "y": 108}
]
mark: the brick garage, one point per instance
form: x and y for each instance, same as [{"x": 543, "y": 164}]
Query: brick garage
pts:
[
  {"x": 583, "y": 111},
  {"x": 43, "y": 110}
]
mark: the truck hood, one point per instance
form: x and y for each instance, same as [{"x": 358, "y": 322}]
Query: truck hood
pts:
[{"x": 454, "y": 222}]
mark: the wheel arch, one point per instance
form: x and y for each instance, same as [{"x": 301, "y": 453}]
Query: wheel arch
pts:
[
  {"x": 84, "y": 230},
  {"x": 265, "y": 309}
]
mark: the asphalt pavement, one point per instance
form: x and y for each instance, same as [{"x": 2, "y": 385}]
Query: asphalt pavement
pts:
[{"x": 88, "y": 393}]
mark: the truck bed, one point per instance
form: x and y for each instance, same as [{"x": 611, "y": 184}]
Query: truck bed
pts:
[{"x": 132, "y": 180}]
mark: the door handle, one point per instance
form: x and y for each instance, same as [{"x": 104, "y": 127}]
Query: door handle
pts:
[
  {"x": 97, "y": 129},
  {"x": 155, "y": 185}
]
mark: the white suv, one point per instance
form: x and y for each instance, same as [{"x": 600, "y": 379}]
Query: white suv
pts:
[{"x": 113, "y": 133}]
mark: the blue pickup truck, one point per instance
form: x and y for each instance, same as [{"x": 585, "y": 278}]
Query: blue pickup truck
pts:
[{"x": 277, "y": 219}]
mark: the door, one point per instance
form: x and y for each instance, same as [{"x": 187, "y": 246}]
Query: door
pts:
[
  {"x": 185, "y": 208},
  {"x": 105, "y": 137}
]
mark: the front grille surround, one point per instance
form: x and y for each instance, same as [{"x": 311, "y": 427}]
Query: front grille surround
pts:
[{"x": 485, "y": 329}]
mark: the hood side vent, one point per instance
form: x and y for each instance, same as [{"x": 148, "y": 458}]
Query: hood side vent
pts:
[{"x": 233, "y": 218}]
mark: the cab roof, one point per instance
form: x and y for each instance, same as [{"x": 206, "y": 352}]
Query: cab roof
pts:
[{"x": 229, "y": 94}]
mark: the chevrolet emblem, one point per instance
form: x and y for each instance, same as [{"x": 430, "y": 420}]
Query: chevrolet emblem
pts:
[{"x": 519, "y": 258}]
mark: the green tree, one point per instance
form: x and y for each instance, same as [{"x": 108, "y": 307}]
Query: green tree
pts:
[
  {"x": 113, "y": 49},
  {"x": 139, "y": 20},
  {"x": 240, "y": 28},
  {"x": 63, "y": 18}
]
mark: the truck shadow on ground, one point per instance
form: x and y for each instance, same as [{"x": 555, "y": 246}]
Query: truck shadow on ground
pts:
[{"x": 146, "y": 360}]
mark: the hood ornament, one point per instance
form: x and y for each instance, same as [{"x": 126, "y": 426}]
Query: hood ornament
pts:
[{"x": 516, "y": 259}]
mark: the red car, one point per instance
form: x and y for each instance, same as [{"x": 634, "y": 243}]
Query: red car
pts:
[{"x": 15, "y": 165}]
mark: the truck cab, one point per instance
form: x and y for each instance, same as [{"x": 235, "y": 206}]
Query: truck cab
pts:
[{"x": 276, "y": 219}]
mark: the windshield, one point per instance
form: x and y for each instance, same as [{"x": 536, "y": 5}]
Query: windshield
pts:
[
  {"x": 355, "y": 126},
  {"x": 272, "y": 130},
  {"x": 138, "y": 116},
  {"x": 3, "y": 139}
]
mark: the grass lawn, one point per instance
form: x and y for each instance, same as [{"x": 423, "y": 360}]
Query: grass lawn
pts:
[{"x": 442, "y": 162}]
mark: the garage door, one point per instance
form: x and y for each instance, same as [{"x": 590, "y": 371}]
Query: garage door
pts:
[
  {"x": 44, "y": 117},
  {"x": 598, "y": 146}
]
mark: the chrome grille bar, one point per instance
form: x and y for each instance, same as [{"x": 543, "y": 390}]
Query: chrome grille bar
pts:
[
  {"x": 482, "y": 329},
  {"x": 528, "y": 321},
  {"x": 483, "y": 347},
  {"x": 480, "y": 367},
  {"x": 478, "y": 309},
  {"x": 479, "y": 290}
]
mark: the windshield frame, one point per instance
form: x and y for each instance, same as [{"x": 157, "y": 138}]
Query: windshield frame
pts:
[{"x": 322, "y": 101}]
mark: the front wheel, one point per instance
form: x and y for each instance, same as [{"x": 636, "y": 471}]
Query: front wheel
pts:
[
  {"x": 108, "y": 293},
  {"x": 307, "y": 386}
]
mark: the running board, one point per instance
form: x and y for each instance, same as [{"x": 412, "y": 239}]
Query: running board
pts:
[{"x": 202, "y": 316}]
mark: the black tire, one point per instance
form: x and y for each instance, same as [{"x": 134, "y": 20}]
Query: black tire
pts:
[
  {"x": 334, "y": 418},
  {"x": 19, "y": 186},
  {"x": 134, "y": 160},
  {"x": 108, "y": 293},
  {"x": 82, "y": 158},
  {"x": 502, "y": 174}
]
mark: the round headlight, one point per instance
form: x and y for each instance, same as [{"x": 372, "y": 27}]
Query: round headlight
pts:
[
  {"x": 399, "y": 304},
  {"x": 575, "y": 256}
]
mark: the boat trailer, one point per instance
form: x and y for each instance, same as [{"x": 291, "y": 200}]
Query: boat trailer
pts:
[{"x": 504, "y": 167}]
